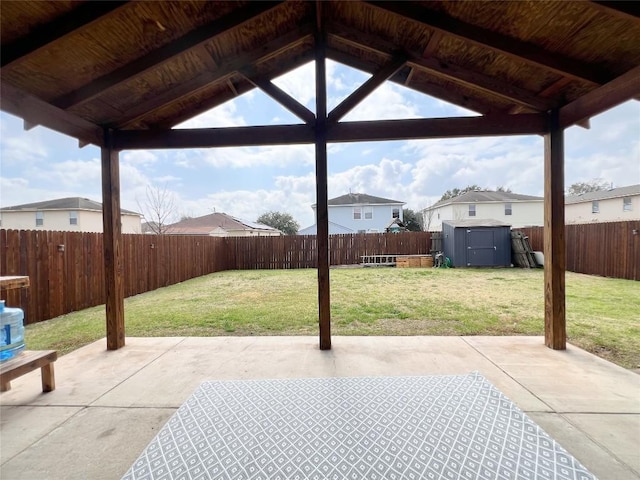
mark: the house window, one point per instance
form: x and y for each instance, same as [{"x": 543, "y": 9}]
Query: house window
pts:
[
  {"x": 39, "y": 219},
  {"x": 368, "y": 213},
  {"x": 472, "y": 210},
  {"x": 626, "y": 204},
  {"x": 357, "y": 213},
  {"x": 595, "y": 206},
  {"x": 507, "y": 209},
  {"x": 362, "y": 231},
  {"x": 396, "y": 213},
  {"x": 73, "y": 217}
]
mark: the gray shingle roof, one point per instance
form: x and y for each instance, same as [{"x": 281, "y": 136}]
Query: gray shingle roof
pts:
[
  {"x": 68, "y": 203},
  {"x": 207, "y": 223},
  {"x": 482, "y": 196},
  {"x": 604, "y": 194},
  {"x": 362, "y": 198}
]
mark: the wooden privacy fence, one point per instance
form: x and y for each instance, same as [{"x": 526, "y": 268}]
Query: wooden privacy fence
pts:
[
  {"x": 605, "y": 249},
  {"x": 66, "y": 269}
]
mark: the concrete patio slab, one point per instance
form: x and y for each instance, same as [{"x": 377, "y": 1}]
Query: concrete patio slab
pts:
[{"x": 108, "y": 405}]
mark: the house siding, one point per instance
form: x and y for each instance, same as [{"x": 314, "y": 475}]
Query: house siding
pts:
[
  {"x": 58, "y": 220},
  {"x": 382, "y": 215},
  {"x": 524, "y": 214},
  {"x": 610, "y": 211}
]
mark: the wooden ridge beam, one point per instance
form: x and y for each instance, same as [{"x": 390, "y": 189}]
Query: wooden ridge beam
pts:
[
  {"x": 213, "y": 137},
  {"x": 282, "y": 97},
  {"x": 453, "y": 73},
  {"x": 436, "y": 91},
  {"x": 80, "y": 17},
  {"x": 183, "y": 89},
  {"x": 163, "y": 54},
  {"x": 378, "y": 78},
  {"x": 512, "y": 47},
  {"x": 623, "y": 88},
  {"x": 490, "y": 125},
  {"x": 38, "y": 112}
]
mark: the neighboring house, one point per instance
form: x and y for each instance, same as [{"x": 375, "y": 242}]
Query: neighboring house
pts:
[
  {"x": 358, "y": 213},
  {"x": 73, "y": 214},
  {"x": 512, "y": 208},
  {"x": 221, "y": 225},
  {"x": 613, "y": 205}
]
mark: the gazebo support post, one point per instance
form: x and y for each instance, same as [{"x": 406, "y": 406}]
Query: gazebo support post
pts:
[
  {"x": 322, "y": 220},
  {"x": 114, "y": 285},
  {"x": 555, "y": 332}
]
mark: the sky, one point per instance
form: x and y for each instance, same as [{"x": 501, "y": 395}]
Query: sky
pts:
[{"x": 41, "y": 164}]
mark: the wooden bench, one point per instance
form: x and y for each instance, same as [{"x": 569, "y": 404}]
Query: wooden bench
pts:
[{"x": 26, "y": 362}]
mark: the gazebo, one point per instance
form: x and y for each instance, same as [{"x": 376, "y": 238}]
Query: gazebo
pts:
[{"x": 120, "y": 75}]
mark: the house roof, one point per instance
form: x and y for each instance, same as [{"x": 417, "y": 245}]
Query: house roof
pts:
[
  {"x": 482, "y": 197},
  {"x": 68, "y": 203},
  {"x": 473, "y": 222},
  {"x": 150, "y": 65},
  {"x": 334, "y": 228},
  {"x": 362, "y": 199},
  {"x": 207, "y": 223},
  {"x": 603, "y": 194}
]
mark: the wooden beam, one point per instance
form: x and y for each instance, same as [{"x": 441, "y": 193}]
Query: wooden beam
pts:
[
  {"x": 381, "y": 76},
  {"x": 426, "y": 88},
  {"x": 80, "y": 17},
  {"x": 378, "y": 130},
  {"x": 227, "y": 68},
  {"x": 213, "y": 137},
  {"x": 282, "y": 97},
  {"x": 555, "y": 332},
  {"x": 163, "y": 54},
  {"x": 511, "y": 47},
  {"x": 462, "y": 76},
  {"x": 38, "y": 112},
  {"x": 627, "y": 10},
  {"x": 490, "y": 125},
  {"x": 623, "y": 88},
  {"x": 112, "y": 238},
  {"x": 322, "y": 200}
]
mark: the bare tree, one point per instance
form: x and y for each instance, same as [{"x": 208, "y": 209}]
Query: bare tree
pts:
[{"x": 158, "y": 208}]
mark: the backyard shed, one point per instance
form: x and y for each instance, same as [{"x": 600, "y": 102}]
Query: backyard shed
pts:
[{"x": 477, "y": 243}]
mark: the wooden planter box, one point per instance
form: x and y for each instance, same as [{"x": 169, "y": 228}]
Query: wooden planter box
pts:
[{"x": 402, "y": 262}]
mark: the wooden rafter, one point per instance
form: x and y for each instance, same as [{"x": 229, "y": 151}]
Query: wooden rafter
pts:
[
  {"x": 163, "y": 54},
  {"x": 381, "y": 76},
  {"x": 181, "y": 90},
  {"x": 511, "y": 47},
  {"x": 623, "y": 88},
  {"x": 436, "y": 91},
  {"x": 81, "y": 17},
  {"x": 282, "y": 97},
  {"x": 38, "y": 112},
  {"x": 627, "y": 9},
  {"x": 459, "y": 75}
]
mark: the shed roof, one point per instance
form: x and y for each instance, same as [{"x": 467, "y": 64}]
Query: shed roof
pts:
[
  {"x": 604, "y": 194},
  {"x": 68, "y": 203},
  {"x": 79, "y": 67}
]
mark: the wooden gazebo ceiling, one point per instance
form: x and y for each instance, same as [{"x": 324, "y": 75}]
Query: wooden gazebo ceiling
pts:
[{"x": 151, "y": 65}]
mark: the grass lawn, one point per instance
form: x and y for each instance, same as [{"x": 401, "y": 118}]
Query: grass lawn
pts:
[{"x": 603, "y": 315}]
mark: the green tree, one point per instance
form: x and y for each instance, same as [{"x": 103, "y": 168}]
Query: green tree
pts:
[
  {"x": 457, "y": 192},
  {"x": 595, "y": 185},
  {"x": 412, "y": 220},
  {"x": 280, "y": 220}
]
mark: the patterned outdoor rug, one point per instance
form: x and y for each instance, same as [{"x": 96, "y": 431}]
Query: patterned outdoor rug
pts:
[{"x": 433, "y": 427}]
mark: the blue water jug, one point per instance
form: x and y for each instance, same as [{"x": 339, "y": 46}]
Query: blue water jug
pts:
[{"x": 12, "y": 331}]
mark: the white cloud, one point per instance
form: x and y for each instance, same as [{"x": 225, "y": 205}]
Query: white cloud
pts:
[
  {"x": 247, "y": 157},
  {"x": 139, "y": 157},
  {"x": 225, "y": 115}
]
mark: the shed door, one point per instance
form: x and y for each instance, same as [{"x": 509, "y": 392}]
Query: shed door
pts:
[{"x": 481, "y": 247}]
